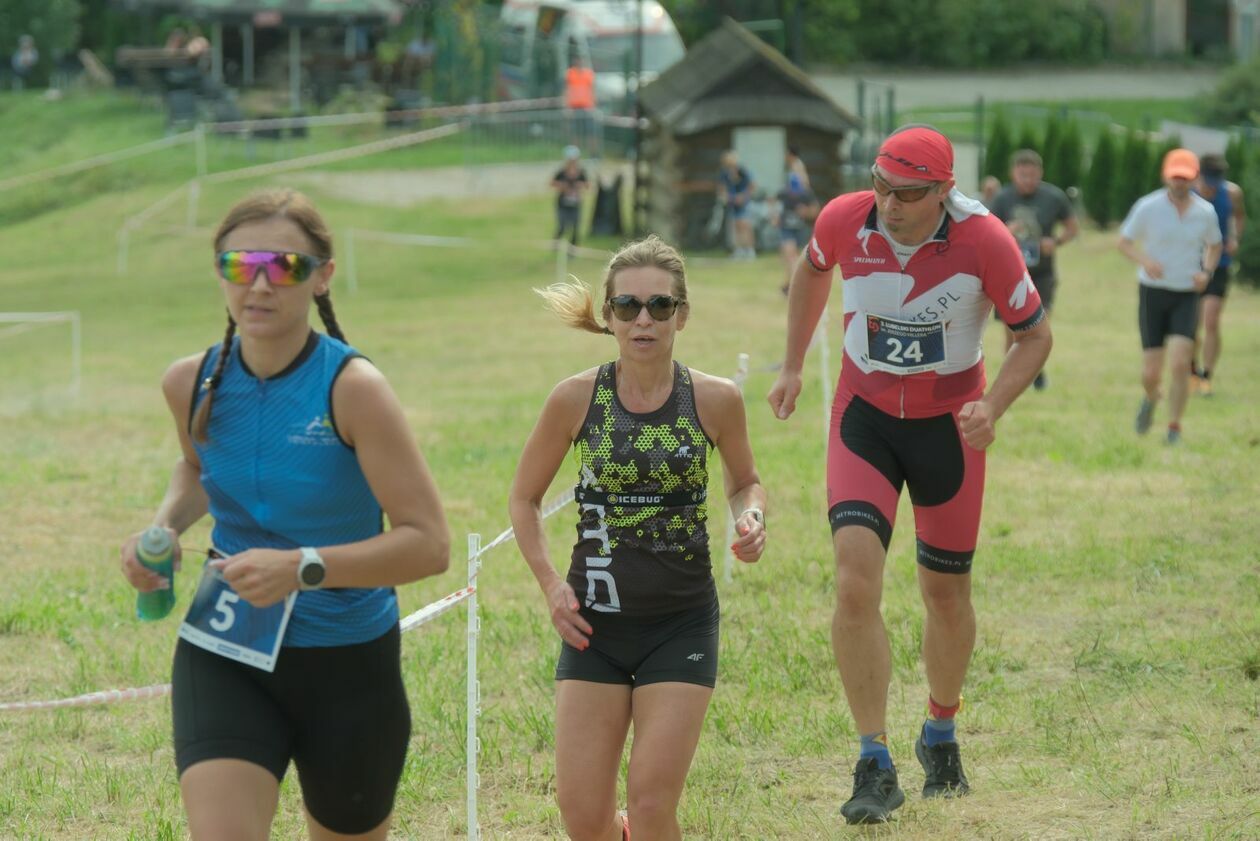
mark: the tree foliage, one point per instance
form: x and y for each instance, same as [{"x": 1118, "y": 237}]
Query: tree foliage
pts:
[
  {"x": 1236, "y": 100},
  {"x": 1069, "y": 156},
  {"x": 1098, "y": 194},
  {"x": 997, "y": 151}
]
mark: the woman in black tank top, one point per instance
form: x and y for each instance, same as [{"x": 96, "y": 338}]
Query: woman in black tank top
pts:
[{"x": 637, "y": 613}]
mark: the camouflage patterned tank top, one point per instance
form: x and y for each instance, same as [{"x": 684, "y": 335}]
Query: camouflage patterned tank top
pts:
[{"x": 642, "y": 547}]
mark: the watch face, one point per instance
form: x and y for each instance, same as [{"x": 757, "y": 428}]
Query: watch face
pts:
[{"x": 313, "y": 574}]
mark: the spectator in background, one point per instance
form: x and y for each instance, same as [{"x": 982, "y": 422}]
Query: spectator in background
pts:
[
  {"x": 24, "y": 61},
  {"x": 798, "y": 206},
  {"x": 735, "y": 189},
  {"x": 176, "y": 40},
  {"x": 579, "y": 99},
  {"x": 1226, "y": 199},
  {"x": 569, "y": 183}
]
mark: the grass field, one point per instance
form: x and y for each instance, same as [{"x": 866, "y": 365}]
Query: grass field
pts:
[{"x": 1113, "y": 692}]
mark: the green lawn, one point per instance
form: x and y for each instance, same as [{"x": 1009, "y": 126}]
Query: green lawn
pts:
[{"x": 1113, "y": 693}]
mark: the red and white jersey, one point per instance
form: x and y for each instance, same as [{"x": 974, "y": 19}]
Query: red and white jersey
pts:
[{"x": 947, "y": 288}]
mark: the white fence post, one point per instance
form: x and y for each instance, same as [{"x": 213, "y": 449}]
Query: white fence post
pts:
[{"x": 474, "y": 686}]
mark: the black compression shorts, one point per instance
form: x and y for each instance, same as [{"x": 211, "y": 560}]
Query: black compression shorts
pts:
[
  {"x": 1165, "y": 312},
  {"x": 1219, "y": 284},
  {"x": 339, "y": 713},
  {"x": 638, "y": 650}
]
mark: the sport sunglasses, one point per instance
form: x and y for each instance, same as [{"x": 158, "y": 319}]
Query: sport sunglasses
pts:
[
  {"x": 283, "y": 268},
  {"x": 904, "y": 194},
  {"x": 660, "y": 307}
]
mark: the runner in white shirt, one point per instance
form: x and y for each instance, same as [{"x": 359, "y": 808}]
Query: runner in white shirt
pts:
[{"x": 1180, "y": 247}]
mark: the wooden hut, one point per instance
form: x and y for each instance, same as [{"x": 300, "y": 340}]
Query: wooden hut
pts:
[{"x": 731, "y": 91}]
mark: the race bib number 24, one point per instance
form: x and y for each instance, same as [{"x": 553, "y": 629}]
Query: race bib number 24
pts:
[{"x": 904, "y": 347}]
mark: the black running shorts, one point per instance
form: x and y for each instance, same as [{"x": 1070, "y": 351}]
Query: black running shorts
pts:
[
  {"x": 1219, "y": 283},
  {"x": 635, "y": 651},
  {"x": 1165, "y": 312},
  {"x": 339, "y": 713}
]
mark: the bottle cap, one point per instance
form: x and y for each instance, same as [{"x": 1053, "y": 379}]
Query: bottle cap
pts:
[{"x": 155, "y": 542}]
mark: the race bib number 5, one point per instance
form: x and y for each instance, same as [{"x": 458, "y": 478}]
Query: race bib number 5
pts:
[
  {"x": 904, "y": 347},
  {"x": 223, "y": 623}
]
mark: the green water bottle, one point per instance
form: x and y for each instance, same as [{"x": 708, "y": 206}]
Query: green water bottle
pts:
[{"x": 156, "y": 551}]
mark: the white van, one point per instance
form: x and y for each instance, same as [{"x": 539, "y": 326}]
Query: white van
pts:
[{"x": 539, "y": 39}]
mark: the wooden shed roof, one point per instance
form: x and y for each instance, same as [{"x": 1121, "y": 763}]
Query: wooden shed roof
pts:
[{"x": 732, "y": 77}]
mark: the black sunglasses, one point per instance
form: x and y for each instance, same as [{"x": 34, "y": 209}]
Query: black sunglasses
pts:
[
  {"x": 660, "y": 307},
  {"x": 904, "y": 194}
]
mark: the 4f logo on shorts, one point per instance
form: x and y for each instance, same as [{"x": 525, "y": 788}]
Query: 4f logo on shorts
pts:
[{"x": 697, "y": 657}]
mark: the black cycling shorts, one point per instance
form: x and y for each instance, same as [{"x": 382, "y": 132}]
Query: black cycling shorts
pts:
[
  {"x": 1165, "y": 312},
  {"x": 340, "y": 713},
  {"x": 637, "y": 650},
  {"x": 1219, "y": 283}
]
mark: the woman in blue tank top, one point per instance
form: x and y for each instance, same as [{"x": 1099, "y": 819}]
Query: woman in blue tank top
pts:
[
  {"x": 638, "y": 613},
  {"x": 297, "y": 447}
]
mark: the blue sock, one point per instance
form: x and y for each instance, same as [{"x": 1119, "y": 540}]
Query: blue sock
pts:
[
  {"x": 937, "y": 730},
  {"x": 876, "y": 745}
]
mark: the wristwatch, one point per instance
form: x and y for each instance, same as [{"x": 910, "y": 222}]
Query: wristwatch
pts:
[
  {"x": 756, "y": 514},
  {"x": 311, "y": 570}
]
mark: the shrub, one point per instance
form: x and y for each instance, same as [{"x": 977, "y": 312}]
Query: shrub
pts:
[
  {"x": 1236, "y": 100},
  {"x": 1098, "y": 193},
  {"x": 997, "y": 152}
]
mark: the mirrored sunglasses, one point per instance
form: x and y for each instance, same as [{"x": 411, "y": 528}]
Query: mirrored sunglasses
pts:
[
  {"x": 904, "y": 194},
  {"x": 282, "y": 268}
]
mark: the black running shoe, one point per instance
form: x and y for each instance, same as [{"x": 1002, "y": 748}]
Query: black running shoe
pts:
[
  {"x": 875, "y": 793},
  {"x": 942, "y": 769}
]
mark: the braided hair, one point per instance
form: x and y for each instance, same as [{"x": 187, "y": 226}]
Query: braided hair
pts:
[{"x": 258, "y": 207}]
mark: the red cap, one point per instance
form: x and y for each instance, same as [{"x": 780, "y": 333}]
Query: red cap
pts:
[{"x": 918, "y": 152}]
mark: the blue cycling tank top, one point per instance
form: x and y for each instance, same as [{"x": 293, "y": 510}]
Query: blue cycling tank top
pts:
[
  {"x": 1224, "y": 207},
  {"x": 279, "y": 476}
]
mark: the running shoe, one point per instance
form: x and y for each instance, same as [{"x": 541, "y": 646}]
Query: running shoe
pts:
[
  {"x": 875, "y": 793},
  {"x": 1205, "y": 388},
  {"x": 1040, "y": 382},
  {"x": 942, "y": 769},
  {"x": 1146, "y": 413},
  {"x": 1173, "y": 438}
]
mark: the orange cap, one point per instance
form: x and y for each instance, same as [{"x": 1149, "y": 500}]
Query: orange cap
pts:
[{"x": 1181, "y": 163}]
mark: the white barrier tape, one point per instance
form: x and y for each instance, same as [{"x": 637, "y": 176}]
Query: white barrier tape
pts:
[
  {"x": 106, "y": 697},
  {"x": 550, "y": 103},
  {"x": 434, "y": 610},
  {"x": 109, "y": 696},
  {"x": 414, "y": 620},
  {"x": 550, "y": 508},
  {"x": 155, "y": 208},
  {"x": 361, "y": 150},
  {"x": 99, "y": 160}
]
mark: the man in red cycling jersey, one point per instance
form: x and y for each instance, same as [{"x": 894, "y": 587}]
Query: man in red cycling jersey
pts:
[{"x": 922, "y": 267}]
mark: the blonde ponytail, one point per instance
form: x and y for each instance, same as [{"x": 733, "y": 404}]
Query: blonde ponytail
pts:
[{"x": 574, "y": 302}]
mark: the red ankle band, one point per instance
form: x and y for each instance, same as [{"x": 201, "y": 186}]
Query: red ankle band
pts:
[{"x": 938, "y": 712}]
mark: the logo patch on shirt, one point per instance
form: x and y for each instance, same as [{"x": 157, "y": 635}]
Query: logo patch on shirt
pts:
[
  {"x": 317, "y": 432},
  {"x": 1020, "y": 296}
]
